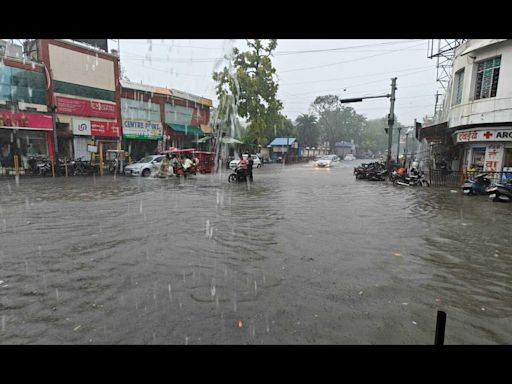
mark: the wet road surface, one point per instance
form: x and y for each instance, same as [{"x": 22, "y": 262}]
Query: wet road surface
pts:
[{"x": 302, "y": 255}]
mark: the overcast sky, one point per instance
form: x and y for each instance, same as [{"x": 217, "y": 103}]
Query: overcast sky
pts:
[{"x": 305, "y": 69}]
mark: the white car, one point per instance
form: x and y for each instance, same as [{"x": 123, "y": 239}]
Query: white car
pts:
[
  {"x": 145, "y": 166},
  {"x": 350, "y": 157},
  {"x": 233, "y": 164},
  {"x": 325, "y": 161}
]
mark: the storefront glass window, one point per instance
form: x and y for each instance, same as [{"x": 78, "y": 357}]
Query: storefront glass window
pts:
[
  {"x": 24, "y": 143},
  {"x": 479, "y": 158},
  {"x": 18, "y": 84}
]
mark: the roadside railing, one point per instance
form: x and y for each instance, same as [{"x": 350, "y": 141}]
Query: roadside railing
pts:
[{"x": 445, "y": 178}]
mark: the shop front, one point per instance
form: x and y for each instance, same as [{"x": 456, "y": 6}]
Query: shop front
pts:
[
  {"x": 86, "y": 125},
  {"x": 93, "y": 138},
  {"x": 486, "y": 149},
  {"x": 142, "y": 138},
  {"x": 25, "y": 135},
  {"x": 142, "y": 127}
]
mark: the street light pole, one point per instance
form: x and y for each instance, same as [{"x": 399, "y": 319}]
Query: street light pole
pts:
[
  {"x": 391, "y": 120},
  {"x": 391, "y": 116}
]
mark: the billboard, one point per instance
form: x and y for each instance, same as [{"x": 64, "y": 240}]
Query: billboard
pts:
[{"x": 98, "y": 43}]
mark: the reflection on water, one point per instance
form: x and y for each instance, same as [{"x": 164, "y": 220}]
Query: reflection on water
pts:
[{"x": 302, "y": 255}]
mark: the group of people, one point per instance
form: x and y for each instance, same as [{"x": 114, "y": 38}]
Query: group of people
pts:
[
  {"x": 181, "y": 165},
  {"x": 245, "y": 166}
]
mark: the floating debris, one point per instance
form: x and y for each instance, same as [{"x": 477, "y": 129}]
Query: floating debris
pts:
[
  {"x": 415, "y": 323},
  {"x": 397, "y": 254},
  {"x": 77, "y": 328},
  {"x": 360, "y": 292},
  {"x": 240, "y": 324}
]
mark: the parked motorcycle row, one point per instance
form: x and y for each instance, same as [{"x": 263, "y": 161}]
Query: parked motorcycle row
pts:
[
  {"x": 41, "y": 166},
  {"x": 377, "y": 171},
  {"x": 371, "y": 171},
  {"x": 481, "y": 185}
]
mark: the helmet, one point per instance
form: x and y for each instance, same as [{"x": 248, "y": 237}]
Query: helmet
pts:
[{"x": 414, "y": 164}]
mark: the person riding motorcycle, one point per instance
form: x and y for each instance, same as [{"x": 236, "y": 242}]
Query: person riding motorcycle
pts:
[{"x": 414, "y": 169}]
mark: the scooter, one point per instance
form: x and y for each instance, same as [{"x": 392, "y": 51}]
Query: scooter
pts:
[
  {"x": 476, "y": 186},
  {"x": 238, "y": 176},
  {"x": 416, "y": 179},
  {"x": 500, "y": 192}
]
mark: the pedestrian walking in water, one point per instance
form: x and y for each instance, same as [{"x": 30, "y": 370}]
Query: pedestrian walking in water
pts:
[
  {"x": 250, "y": 163},
  {"x": 164, "y": 166}
]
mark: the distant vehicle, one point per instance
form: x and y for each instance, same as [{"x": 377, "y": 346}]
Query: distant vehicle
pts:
[
  {"x": 349, "y": 157},
  {"x": 326, "y": 161},
  {"x": 144, "y": 166},
  {"x": 233, "y": 164}
]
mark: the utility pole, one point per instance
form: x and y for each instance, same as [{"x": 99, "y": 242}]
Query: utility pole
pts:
[
  {"x": 391, "y": 121},
  {"x": 398, "y": 145},
  {"x": 53, "y": 109}
]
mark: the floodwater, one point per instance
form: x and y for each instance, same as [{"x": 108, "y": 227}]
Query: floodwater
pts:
[{"x": 301, "y": 256}]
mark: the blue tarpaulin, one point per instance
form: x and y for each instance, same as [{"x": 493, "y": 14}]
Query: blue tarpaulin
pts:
[{"x": 282, "y": 141}]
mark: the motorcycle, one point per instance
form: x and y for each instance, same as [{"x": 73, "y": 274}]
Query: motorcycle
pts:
[
  {"x": 412, "y": 180},
  {"x": 371, "y": 171},
  {"x": 40, "y": 166},
  {"x": 238, "y": 176},
  {"x": 476, "y": 186},
  {"x": 500, "y": 192}
]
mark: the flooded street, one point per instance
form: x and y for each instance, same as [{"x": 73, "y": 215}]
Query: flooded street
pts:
[{"x": 302, "y": 255}]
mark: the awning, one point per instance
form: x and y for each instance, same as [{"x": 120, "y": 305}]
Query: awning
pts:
[
  {"x": 481, "y": 44},
  {"x": 283, "y": 141},
  {"x": 230, "y": 140},
  {"x": 186, "y": 129}
]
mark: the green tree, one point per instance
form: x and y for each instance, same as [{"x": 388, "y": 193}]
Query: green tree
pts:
[
  {"x": 374, "y": 137},
  {"x": 337, "y": 122},
  {"x": 308, "y": 132},
  {"x": 250, "y": 79}
]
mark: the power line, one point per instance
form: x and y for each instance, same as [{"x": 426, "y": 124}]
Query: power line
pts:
[
  {"x": 365, "y": 75},
  {"x": 346, "y": 61},
  {"x": 344, "y": 48}
]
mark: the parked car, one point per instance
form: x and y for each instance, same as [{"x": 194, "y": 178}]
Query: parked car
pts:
[
  {"x": 145, "y": 166},
  {"x": 233, "y": 164},
  {"x": 349, "y": 157}
]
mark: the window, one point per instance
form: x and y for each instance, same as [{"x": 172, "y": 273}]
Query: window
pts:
[
  {"x": 457, "y": 86},
  {"x": 488, "y": 72},
  {"x": 18, "y": 84}
]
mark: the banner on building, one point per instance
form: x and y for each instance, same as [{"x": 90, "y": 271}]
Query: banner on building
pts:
[
  {"x": 79, "y": 107},
  {"x": 23, "y": 120}
]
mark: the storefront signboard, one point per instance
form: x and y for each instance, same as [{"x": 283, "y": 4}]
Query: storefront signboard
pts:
[
  {"x": 145, "y": 130},
  {"x": 79, "y": 107},
  {"x": 82, "y": 127},
  {"x": 85, "y": 127},
  {"x": 483, "y": 135},
  {"x": 23, "y": 120}
]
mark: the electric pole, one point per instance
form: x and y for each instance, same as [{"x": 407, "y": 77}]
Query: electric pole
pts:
[{"x": 391, "y": 120}]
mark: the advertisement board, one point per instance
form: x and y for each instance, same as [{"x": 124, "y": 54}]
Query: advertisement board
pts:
[{"x": 79, "y": 107}]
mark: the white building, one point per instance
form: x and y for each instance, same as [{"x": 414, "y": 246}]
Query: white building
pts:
[{"x": 477, "y": 109}]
